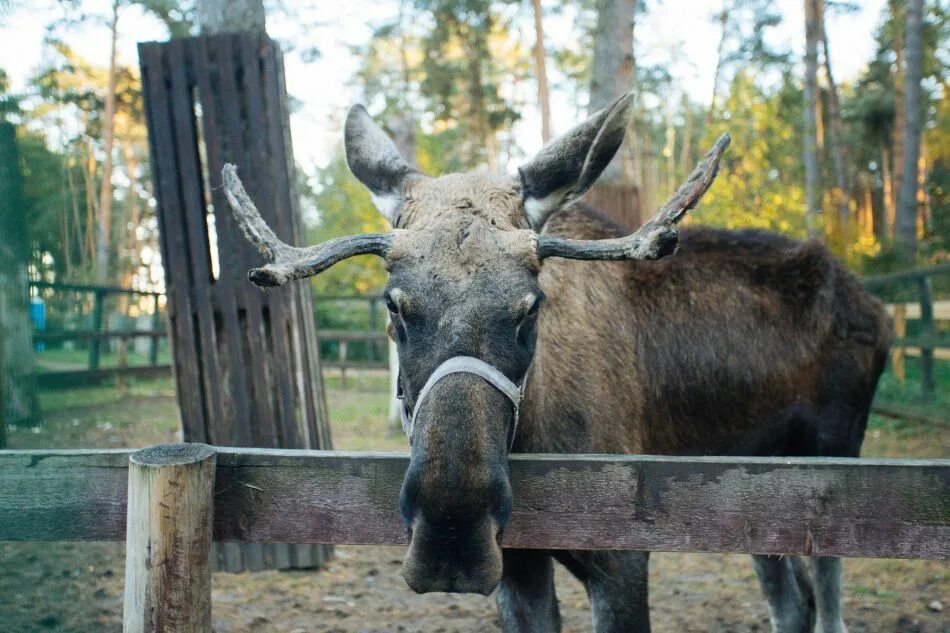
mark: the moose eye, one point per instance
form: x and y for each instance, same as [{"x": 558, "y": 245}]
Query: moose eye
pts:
[
  {"x": 391, "y": 305},
  {"x": 395, "y": 299},
  {"x": 533, "y": 306}
]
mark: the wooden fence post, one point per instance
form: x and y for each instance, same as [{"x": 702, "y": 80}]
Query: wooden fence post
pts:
[
  {"x": 168, "y": 540},
  {"x": 926, "y": 335},
  {"x": 900, "y": 332}
]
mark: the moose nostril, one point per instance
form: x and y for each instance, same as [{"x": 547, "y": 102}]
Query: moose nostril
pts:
[{"x": 498, "y": 536}]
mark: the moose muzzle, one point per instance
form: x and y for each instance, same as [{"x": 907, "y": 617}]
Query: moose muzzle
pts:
[{"x": 456, "y": 498}]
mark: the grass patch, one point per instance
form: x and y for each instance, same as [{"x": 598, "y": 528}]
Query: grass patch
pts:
[
  {"x": 57, "y": 400},
  {"x": 907, "y": 395},
  {"x": 67, "y": 359}
]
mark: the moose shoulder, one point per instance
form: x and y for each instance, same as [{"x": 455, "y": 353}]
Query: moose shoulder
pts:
[{"x": 525, "y": 321}]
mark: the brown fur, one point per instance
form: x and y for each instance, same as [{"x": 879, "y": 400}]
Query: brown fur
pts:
[{"x": 738, "y": 333}]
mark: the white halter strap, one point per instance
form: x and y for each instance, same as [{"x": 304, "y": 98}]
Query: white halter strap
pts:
[{"x": 468, "y": 365}]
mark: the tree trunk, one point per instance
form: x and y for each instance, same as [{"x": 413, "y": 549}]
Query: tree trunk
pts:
[
  {"x": 92, "y": 207},
  {"x": 669, "y": 152},
  {"x": 888, "y": 214},
  {"x": 18, "y": 403},
  {"x": 812, "y": 170},
  {"x": 230, "y": 16},
  {"x": 104, "y": 232},
  {"x": 540, "y": 61},
  {"x": 612, "y": 72},
  {"x": 842, "y": 186},
  {"x": 686, "y": 148},
  {"x": 73, "y": 196},
  {"x": 720, "y": 51},
  {"x": 897, "y": 172},
  {"x": 906, "y": 229}
]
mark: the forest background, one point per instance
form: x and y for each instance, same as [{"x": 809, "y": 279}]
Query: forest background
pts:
[{"x": 465, "y": 84}]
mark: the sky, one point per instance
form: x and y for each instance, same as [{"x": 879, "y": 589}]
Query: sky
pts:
[{"x": 680, "y": 29}]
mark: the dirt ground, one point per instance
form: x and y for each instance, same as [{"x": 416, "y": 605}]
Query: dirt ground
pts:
[{"x": 77, "y": 587}]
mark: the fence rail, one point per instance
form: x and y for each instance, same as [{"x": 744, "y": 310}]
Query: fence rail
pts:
[
  {"x": 99, "y": 332},
  {"x": 926, "y": 340},
  {"x": 814, "y": 506}
]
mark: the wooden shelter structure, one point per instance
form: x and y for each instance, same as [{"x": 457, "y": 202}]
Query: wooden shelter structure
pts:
[{"x": 246, "y": 363}]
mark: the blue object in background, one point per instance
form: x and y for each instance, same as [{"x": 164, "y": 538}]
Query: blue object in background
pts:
[{"x": 38, "y": 316}]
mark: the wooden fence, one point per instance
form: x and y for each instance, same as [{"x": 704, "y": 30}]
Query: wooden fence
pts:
[
  {"x": 927, "y": 339},
  {"x": 812, "y": 506},
  {"x": 374, "y": 335},
  {"x": 98, "y": 332}
]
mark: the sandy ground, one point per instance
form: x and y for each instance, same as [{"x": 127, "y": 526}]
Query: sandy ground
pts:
[{"x": 77, "y": 587}]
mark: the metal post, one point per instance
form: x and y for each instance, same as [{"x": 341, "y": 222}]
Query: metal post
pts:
[
  {"x": 96, "y": 326},
  {"x": 156, "y": 325},
  {"x": 926, "y": 335}
]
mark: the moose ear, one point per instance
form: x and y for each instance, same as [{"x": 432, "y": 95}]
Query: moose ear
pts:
[
  {"x": 566, "y": 168},
  {"x": 374, "y": 160}
]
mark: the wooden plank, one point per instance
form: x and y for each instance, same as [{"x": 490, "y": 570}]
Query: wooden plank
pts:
[
  {"x": 823, "y": 506},
  {"x": 941, "y": 310},
  {"x": 175, "y": 255},
  {"x": 193, "y": 223},
  {"x": 235, "y": 427},
  {"x": 939, "y": 353},
  {"x": 282, "y": 423},
  {"x": 250, "y": 326}
]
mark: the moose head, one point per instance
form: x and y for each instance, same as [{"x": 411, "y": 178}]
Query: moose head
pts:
[{"x": 464, "y": 298}]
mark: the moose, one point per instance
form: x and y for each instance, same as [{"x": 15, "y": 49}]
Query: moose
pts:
[{"x": 527, "y": 322}]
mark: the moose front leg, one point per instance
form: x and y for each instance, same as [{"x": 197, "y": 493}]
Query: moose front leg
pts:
[
  {"x": 616, "y": 583},
  {"x": 526, "y": 599}
]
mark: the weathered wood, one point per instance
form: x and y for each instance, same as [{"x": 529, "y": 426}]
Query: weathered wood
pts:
[
  {"x": 832, "y": 507},
  {"x": 168, "y": 540},
  {"x": 246, "y": 362}
]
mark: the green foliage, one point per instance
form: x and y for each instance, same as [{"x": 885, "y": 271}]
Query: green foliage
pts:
[
  {"x": 344, "y": 208},
  {"x": 47, "y": 200},
  {"x": 760, "y": 182}
]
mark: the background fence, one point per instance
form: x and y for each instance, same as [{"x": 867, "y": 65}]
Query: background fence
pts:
[
  {"x": 85, "y": 319},
  {"x": 76, "y": 325}
]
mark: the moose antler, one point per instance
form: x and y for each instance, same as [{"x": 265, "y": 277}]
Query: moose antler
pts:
[
  {"x": 290, "y": 262},
  {"x": 655, "y": 239}
]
